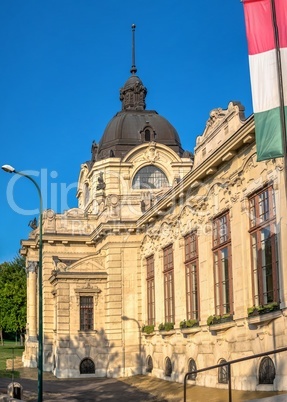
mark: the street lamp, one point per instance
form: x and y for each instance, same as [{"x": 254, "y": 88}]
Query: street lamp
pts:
[{"x": 10, "y": 169}]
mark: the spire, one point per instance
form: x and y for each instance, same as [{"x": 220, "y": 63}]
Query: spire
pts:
[
  {"x": 133, "y": 92},
  {"x": 133, "y": 69}
]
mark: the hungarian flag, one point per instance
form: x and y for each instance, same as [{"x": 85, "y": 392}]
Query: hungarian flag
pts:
[{"x": 266, "y": 29}]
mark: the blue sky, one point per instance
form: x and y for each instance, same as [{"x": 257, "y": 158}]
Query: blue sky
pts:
[{"x": 61, "y": 67}]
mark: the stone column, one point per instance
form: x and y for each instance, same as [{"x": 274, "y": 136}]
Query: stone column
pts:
[{"x": 32, "y": 300}]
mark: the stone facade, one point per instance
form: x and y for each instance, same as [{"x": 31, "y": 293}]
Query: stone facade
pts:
[{"x": 100, "y": 252}]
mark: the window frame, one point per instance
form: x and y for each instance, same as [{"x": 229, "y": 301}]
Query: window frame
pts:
[
  {"x": 267, "y": 371},
  {"x": 262, "y": 219},
  {"x": 87, "y": 366},
  {"x": 168, "y": 273},
  {"x": 87, "y": 313},
  {"x": 150, "y": 177},
  {"x": 191, "y": 367},
  {"x": 223, "y": 373},
  {"x": 150, "y": 290},
  {"x": 191, "y": 276},
  {"x": 223, "y": 279}
]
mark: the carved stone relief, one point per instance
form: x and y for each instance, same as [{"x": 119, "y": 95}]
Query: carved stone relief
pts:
[
  {"x": 32, "y": 267},
  {"x": 88, "y": 290}
]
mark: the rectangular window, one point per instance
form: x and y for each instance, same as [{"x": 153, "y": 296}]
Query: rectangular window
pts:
[
  {"x": 264, "y": 247},
  {"x": 191, "y": 276},
  {"x": 222, "y": 265},
  {"x": 150, "y": 291},
  {"x": 86, "y": 313},
  {"x": 168, "y": 272}
]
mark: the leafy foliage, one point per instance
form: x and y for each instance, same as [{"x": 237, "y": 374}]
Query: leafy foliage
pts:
[
  {"x": 13, "y": 295},
  {"x": 188, "y": 323},
  {"x": 148, "y": 329},
  {"x": 218, "y": 319},
  {"x": 167, "y": 326},
  {"x": 264, "y": 308}
]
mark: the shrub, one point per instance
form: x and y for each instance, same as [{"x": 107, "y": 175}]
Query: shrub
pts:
[
  {"x": 262, "y": 309},
  {"x": 167, "y": 326},
  {"x": 217, "y": 319},
  {"x": 148, "y": 329},
  {"x": 188, "y": 324}
]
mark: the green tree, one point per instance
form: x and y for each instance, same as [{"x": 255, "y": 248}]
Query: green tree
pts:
[{"x": 13, "y": 296}]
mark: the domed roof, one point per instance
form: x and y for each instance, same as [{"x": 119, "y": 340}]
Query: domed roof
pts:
[
  {"x": 130, "y": 128},
  {"x": 134, "y": 125}
]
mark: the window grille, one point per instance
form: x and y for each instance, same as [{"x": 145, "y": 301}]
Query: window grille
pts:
[
  {"x": 87, "y": 366},
  {"x": 150, "y": 177},
  {"x": 266, "y": 371},
  {"x": 167, "y": 367},
  {"x": 192, "y": 367},
  {"x": 223, "y": 373},
  {"x": 149, "y": 364},
  {"x": 86, "y": 313}
]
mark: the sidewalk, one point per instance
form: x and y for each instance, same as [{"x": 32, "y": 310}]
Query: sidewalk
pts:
[{"x": 131, "y": 389}]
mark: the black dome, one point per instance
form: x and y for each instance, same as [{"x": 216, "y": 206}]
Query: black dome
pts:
[
  {"x": 130, "y": 128},
  {"x": 134, "y": 125}
]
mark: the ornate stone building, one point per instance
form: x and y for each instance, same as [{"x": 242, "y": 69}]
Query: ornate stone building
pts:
[{"x": 165, "y": 262}]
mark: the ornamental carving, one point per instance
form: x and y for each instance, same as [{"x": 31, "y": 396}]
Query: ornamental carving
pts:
[
  {"x": 32, "y": 267},
  {"x": 250, "y": 163},
  {"x": 88, "y": 290},
  {"x": 218, "y": 120},
  {"x": 151, "y": 154},
  {"x": 61, "y": 265},
  {"x": 132, "y": 96}
]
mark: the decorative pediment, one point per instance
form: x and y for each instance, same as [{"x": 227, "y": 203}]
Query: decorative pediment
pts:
[
  {"x": 87, "y": 264},
  {"x": 220, "y": 126},
  {"x": 218, "y": 118}
]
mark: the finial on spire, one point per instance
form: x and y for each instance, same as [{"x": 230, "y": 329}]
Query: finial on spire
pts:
[{"x": 133, "y": 69}]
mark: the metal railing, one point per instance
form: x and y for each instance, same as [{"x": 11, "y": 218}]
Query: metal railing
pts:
[{"x": 228, "y": 364}]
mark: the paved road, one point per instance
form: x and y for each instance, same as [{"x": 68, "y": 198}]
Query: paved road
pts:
[
  {"x": 88, "y": 390},
  {"x": 131, "y": 389}
]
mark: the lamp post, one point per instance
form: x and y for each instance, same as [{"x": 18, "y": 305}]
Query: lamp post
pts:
[{"x": 10, "y": 169}]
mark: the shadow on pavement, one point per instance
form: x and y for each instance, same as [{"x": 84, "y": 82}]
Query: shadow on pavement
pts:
[{"x": 138, "y": 388}]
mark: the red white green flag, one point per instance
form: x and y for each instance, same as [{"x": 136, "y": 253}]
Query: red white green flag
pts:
[{"x": 265, "y": 73}]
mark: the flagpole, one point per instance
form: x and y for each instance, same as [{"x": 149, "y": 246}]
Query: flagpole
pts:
[{"x": 281, "y": 92}]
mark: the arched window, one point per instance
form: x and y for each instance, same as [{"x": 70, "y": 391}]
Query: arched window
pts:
[
  {"x": 149, "y": 364},
  {"x": 192, "y": 367},
  {"x": 150, "y": 177},
  {"x": 167, "y": 367},
  {"x": 223, "y": 373},
  {"x": 266, "y": 371},
  {"x": 87, "y": 193},
  {"x": 147, "y": 135},
  {"x": 87, "y": 366}
]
